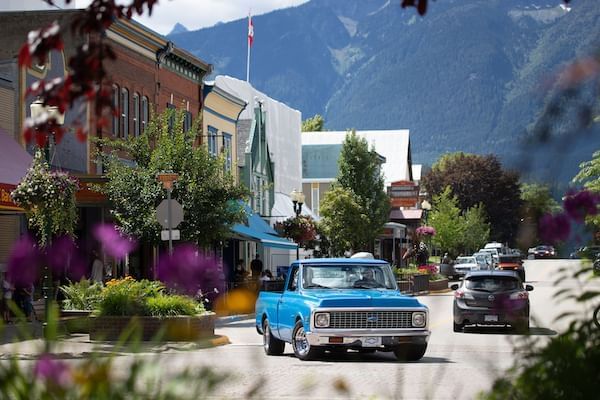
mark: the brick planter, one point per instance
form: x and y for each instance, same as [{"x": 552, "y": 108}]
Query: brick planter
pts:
[
  {"x": 76, "y": 321},
  {"x": 167, "y": 329},
  {"x": 440, "y": 284}
]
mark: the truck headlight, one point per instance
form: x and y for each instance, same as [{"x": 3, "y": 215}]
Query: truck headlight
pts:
[
  {"x": 419, "y": 319},
  {"x": 322, "y": 320}
]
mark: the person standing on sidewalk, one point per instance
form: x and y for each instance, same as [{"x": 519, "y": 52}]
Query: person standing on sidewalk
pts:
[
  {"x": 97, "y": 268},
  {"x": 7, "y": 297},
  {"x": 256, "y": 266}
]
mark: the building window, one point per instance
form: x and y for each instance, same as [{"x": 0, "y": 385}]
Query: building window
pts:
[
  {"x": 171, "y": 107},
  {"x": 145, "y": 112},
  {"x": 227, "y": 150},
  {"x": 187, "y": 121},
  {"x": 115, "y": 103},
  {"x": 125, "y": 112},
  {"x": 212, "y": 141},
  {"x": 315, "y": 200},
  {"x": 136, "y": 114}
]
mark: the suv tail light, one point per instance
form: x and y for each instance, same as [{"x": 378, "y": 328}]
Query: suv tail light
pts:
[
  {"x": 461, "y": 294},
  {"x": 519, "y": 296}
]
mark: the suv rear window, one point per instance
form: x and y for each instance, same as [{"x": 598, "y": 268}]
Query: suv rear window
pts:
[{"x": 492, "y": 283}]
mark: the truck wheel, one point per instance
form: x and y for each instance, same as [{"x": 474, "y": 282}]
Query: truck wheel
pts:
[
  {"x": 302, "y": 348},
  {"x": 271, "y": 345},
  {"x": 410, "y": 352}
]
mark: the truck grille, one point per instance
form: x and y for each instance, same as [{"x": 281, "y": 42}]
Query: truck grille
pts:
[{"x": 370, "y": 319}]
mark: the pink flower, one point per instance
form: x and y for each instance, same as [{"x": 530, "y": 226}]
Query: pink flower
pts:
[
  {"x": 554, "y": 228},
  {"x": 578, "y": 205},
  {"x": 190, "y": 271},
  {"x": 425, "y": 230},
  {"x": 24, "y": 263},
  {"x": 114, "y": 243},
  {"x": 53, "y": 371}
]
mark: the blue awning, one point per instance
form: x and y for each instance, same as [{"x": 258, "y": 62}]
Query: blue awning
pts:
[
  {"x": 266, "y": 239},
  {"x": 258, "y": 230}
]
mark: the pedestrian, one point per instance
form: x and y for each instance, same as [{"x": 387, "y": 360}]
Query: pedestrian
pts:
[
  {"x": 239, "y": 273},
  {"x": 256, "y": 266},
  {"x": 97, "y": 268},
  {"x": 8, "y": 290}
]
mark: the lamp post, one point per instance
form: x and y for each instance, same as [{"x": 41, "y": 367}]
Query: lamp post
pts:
[
  {"x": 298, "y": 200},
  {"x": 426, "y": 207},
  {"x": 40, "y": 111},
  {"x": 167, "y": 179}
]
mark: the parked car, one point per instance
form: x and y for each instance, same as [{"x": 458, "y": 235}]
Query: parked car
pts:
[
  {"x": 465, "y": 264},
  {"x": 338, "y": 304},
  {"x": 589, "y": 252},
  {"x": 543, "y": 251},
  {"x": 484, "y": 259},
  {"x": 491, "y": 298}
]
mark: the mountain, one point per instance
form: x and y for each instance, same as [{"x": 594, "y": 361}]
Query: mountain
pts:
[
  {"x": 471, "y": 75},
  {"x": 178, "y": 28}
]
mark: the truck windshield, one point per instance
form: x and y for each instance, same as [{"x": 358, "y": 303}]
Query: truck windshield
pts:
[{"x": 348, "y": 277}]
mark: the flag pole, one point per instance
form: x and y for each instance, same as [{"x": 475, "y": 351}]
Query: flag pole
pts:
[{"x": 249, "y": 38}]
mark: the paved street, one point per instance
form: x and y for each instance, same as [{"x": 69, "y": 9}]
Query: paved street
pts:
[{"x": 456, "y": 365}]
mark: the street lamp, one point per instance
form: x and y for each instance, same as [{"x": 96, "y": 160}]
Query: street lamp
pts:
[
  {"x": 167, "y": 179},
  {"x": 41, "y": 111},
  {"x": 298, "y": 200},
  {"x": 426, "y": 207}
]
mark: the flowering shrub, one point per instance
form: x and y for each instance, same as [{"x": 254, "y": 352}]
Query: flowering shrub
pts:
[
  {"x": 301, "y": 229},
  {"x": 82, "y": 295},
  {"x": 48, "y": 198}
]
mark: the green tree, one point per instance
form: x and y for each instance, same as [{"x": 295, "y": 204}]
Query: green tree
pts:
[
  {"x": 209, "y": 195},
  {"x": 446, "y": 219},
  {"x": 476, "y": 229},
  {"x": 360, "y": 176},
  {"x": 313, "y": 124},
  {"x": 589, "y": 176},
  {"x": 478, "y": 179},
  {"x": 537, "y": 201},
  {"x": 342, "y": 218}
]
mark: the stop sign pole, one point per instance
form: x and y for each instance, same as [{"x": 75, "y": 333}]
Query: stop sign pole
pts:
[{"x": 167, "y": 179}]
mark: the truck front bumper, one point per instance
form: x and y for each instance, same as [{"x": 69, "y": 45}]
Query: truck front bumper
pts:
[{"x": 368, "y": 338}]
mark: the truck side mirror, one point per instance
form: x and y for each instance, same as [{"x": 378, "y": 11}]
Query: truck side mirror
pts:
[{"x": 529, "y": 288}]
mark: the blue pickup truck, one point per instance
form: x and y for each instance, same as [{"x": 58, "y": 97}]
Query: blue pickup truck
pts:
[{"x": 337, "y": 304}]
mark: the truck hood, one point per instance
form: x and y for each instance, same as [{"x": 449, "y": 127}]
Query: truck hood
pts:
[{"x": 360, "y": 298}]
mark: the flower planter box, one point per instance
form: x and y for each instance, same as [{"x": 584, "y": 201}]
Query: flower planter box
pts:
[
  {"x": 437, "y": 285},
  {"x": 76, "y": 321},
  {"x": 413, "y": 284},
  {"x": 167, "y": 329}
]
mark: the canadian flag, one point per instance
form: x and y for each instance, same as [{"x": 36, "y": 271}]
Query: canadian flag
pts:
[{"x": 250, "y": 31}]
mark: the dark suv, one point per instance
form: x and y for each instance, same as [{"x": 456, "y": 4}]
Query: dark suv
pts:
[{"x": 491, "y": 298}]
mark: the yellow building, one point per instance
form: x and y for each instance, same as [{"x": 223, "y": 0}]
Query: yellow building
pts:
[{"x": 219, "y": 122}]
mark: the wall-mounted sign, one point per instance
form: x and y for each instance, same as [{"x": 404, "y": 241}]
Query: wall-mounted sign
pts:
[
  {"x": 5, "y": 199},
  {"x": 403, "y": 194}
]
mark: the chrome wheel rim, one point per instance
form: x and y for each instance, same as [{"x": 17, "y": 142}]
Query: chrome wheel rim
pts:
[{"x": 301, "y": 344}]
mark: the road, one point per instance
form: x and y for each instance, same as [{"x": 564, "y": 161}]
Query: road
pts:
[{"x": 456, "y": 365}]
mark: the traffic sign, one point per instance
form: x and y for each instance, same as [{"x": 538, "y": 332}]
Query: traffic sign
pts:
[
  {"x": 162, "y": 214},
  {"x": 175, "y": 234}
]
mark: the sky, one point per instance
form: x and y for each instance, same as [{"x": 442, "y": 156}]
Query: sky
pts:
[{"x": 193, "y": 14}]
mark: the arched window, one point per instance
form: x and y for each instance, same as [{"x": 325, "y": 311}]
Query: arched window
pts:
[
  {"x": 115, "y": 103},
  {"x": 125, "y": 112},
  {"x": 145, "y": 112},
  {"x": 136, "y": 114}
]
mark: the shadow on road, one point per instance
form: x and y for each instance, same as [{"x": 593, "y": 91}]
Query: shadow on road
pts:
[
  {"x": 378, "y": 357},
  {"x": 533, "y": 331}
]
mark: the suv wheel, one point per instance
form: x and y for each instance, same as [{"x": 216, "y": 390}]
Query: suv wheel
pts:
[{"x": 457, "y": 327}]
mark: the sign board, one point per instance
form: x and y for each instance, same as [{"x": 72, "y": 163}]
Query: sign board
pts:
[
  {"x": 162, "y": 212},
  {"x": 175, "y": 234},
  {"x": 403, "y": 202}
]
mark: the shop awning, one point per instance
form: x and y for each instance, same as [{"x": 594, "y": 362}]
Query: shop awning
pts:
[
  {"x": 14, "y": 163},
  {"x": 257, "y": 230}
]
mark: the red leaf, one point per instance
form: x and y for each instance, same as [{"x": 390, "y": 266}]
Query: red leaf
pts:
[
  {"x": 58, "y": 134},
  {"x": 28, "y": 135},
  {"x": 40, "y": 139},
  {"x": 81, "y": 135}
]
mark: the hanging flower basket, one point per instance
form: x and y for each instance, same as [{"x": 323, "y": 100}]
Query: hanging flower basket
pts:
[{"x": 425, "y": 231}]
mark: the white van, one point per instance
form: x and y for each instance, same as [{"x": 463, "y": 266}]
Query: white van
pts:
[{"x": 495, "y": 245}]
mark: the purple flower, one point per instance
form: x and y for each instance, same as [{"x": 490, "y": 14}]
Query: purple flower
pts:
[
  {"x": 554, "y": 228},
  {"x": 24, "y": 263},
  {"x": 114, "y": 243},
  {"x": 64, "y": 259},
  {"x": 425, "y": 230},
  {"x": 54, "y": 372},
  {"x": 578, "y": 205},
  {"x": 190, "y": 271}
]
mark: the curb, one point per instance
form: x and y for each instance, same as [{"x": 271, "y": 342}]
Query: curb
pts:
[
  {"x": 443, "y": 291},
  {"x": 233, "y": 318}
]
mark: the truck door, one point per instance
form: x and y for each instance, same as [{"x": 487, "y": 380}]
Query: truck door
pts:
[{"x": 286, "y": 307}]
